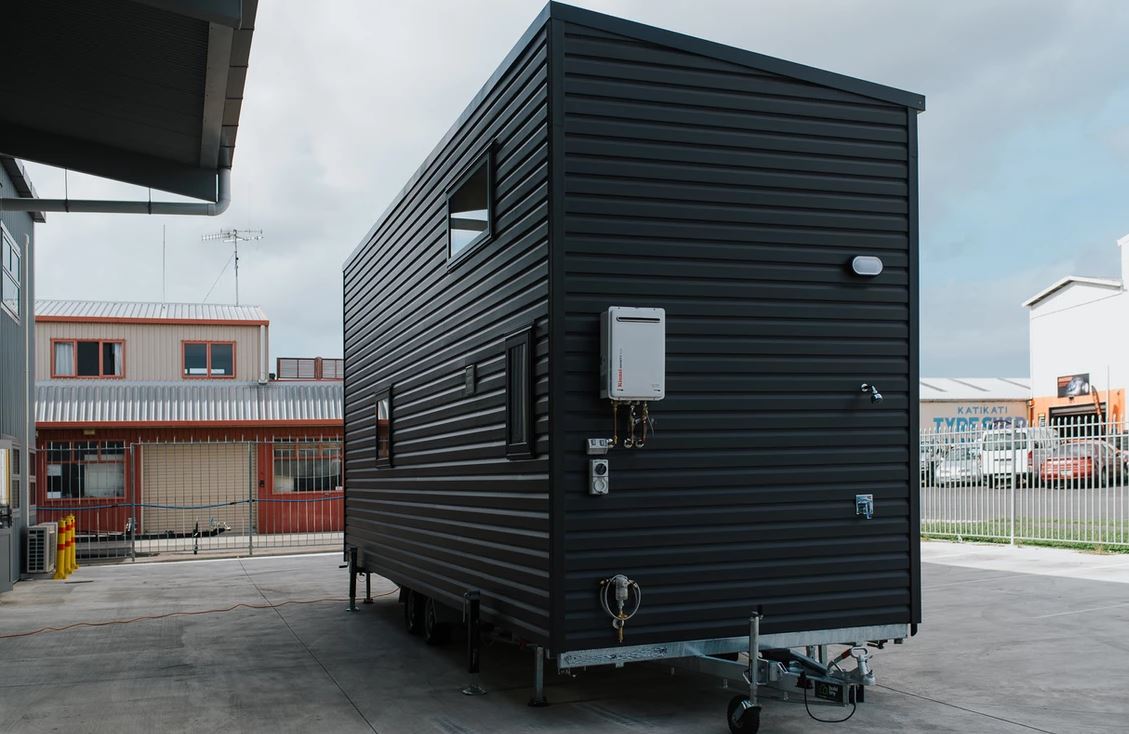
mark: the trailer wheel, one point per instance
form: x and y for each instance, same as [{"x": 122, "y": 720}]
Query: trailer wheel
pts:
[
  {"x": 413, "y": 612},
  {"x": 435, "y": 632},
  {"x": 747, "y": 721}
]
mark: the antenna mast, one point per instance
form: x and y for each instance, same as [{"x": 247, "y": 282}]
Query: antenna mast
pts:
[{"x": 234, "y": 237}]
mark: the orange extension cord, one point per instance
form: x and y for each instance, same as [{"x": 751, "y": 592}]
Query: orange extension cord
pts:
[{"x": 179, "y": 614}]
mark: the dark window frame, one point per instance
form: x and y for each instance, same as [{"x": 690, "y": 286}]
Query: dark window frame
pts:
[
  {"x": 520, "y": 446},
  {"x": 486, "y": 158},
  {"x": 385, "y": 394}
]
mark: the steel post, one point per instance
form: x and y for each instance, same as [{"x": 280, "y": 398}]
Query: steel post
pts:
[{"x": 538, "y": 678}]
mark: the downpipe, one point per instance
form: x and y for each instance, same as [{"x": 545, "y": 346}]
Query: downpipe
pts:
[{"x": 97, "y": 206}]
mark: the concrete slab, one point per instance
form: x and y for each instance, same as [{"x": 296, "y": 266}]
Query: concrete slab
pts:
[{"x": 1000, "y": 651}]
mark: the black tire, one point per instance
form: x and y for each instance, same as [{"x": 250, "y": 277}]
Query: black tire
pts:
[
  {"x": 413, "y": 611},
  {"x": 434, "y": 631},
  {"x": 748, "y": 723}
]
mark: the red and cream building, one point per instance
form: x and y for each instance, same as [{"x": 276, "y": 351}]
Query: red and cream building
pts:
[{"x": 141, "y": 407}]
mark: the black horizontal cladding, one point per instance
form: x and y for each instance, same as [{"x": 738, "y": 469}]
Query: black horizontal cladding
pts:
[
  {"x": 453, "y": 513},
  {"x": 735, "y": 198}
]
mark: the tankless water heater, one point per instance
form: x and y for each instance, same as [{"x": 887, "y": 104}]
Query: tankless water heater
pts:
[{"x": 633, "y": 354}]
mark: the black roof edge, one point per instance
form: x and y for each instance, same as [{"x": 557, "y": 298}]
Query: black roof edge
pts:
[
  {"x": 732, "y": 54},
  {"x": 650, "y": 34}
]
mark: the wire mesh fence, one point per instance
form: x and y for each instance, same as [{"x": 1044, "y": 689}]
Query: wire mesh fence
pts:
[
  {"x": 216, "y": 498},
  {"x": 1066, "y": 483}
]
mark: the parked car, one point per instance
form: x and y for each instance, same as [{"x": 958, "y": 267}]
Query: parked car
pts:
[
  {"x": 1083, "y": 463},
  {"x": 1019, "y": 452},
  {"x": 929, "y": 454},
  {"x": 960, "y": 465}
]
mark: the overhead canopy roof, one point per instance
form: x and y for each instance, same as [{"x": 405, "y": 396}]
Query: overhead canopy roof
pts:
[
  {"x": 144, "y": 91},
  {"x": 61, "y": 403}
]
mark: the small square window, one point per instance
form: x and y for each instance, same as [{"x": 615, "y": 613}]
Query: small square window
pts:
[
  {"x": 384, "y": 428},
  {"x": 223, "y": 360},
  {"x": 519, "y": 395},
  {"x": 470, "y": 209}
]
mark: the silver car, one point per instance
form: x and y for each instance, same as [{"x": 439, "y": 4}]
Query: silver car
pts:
[{"x": 960, "y": 465}]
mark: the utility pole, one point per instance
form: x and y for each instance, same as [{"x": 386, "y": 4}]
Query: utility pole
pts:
[{"x": 234, "y": 237}]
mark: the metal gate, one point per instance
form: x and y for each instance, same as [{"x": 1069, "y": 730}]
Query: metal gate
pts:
[{"x": 210, "y": 498}]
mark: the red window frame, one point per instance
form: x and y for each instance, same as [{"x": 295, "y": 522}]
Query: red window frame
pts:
[
  {"x": 292, "y": 449},
  {"x": 209, "y": 375},
  {"x": 55, "y": 374},
  {"x": 98, "y": 449}
]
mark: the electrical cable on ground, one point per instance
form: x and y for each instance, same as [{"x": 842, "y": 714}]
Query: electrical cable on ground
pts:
[
  {"x": 854, "y": 708},
  {"x": 968, "y": 710},
  {"x": 148, "y": 617}
]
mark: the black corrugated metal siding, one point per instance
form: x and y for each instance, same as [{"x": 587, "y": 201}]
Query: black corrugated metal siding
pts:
[
  {"x": 735, "y": 199},
  {"x": 453, "y": 512}
]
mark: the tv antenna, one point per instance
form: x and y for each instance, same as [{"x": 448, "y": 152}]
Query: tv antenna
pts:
[{"x": 233, "y": 236}]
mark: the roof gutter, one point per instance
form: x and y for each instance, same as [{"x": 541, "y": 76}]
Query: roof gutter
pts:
[{"x": 98, "y": 206}]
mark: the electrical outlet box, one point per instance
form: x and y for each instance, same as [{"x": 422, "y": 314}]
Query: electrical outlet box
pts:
[
  {"x": 598, "y": 476},
  {"x": 633, "y": 354}
]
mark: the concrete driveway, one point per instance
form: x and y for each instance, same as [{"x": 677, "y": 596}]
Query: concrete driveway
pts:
[{"x": 1002, "y": 649}]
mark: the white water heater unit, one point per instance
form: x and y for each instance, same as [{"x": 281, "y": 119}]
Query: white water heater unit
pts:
[{"x": 633, "y": 354}]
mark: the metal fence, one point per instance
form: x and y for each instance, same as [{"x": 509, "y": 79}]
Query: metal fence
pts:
[
  {"x": 1066, "y": 484},
  {"x": 215, "y": 498}
]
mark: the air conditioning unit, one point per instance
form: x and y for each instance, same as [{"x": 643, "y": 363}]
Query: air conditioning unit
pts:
[{"x": 41, "y": 549}]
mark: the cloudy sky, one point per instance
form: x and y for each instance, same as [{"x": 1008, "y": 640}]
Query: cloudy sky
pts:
[{"x": 1024, "y": 150}]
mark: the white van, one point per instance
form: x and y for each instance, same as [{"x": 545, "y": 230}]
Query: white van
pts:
[{"x": 1018, "y": 451}]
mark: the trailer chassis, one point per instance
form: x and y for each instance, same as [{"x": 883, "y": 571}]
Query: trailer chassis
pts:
[{"x": 778, "y": 665}]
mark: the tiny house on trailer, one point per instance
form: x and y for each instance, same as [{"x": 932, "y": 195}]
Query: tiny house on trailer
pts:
[{"x": 632, "y": 358}]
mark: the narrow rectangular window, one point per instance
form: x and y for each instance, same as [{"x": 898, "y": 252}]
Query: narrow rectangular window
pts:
[
  {"x": 10, "y": 269},
  {"x": 64, "y": 359},
  {"x": 223, "y": 360},
  {"x": 519, "y": 395},
  {"x": 470, "y": 208},
  {"x": 88, "y": 360},
  {"x": 384, "y": 428}
]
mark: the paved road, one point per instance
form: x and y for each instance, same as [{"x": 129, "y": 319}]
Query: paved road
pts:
[{"x": 1000, "y": 650}]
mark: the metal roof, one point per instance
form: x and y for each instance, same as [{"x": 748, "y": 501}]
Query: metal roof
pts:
[
  {"x": 61, "y": 310},
  {"x": 975, "y": 388},
  {"x": 146, "y": 91},
  {"x": 183, "y": 403},
  {"x": 24, "y": 188},
  {"x": 1106, "y": 283}
]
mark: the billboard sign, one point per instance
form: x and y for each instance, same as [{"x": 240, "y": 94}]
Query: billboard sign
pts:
[{"x": 1072, "y": 386}]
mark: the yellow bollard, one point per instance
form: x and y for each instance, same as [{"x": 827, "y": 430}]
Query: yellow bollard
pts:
[
  {"x": 71, "y": 556},
  {"x": 61, "y": 551}
]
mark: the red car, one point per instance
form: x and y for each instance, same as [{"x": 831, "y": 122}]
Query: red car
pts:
[{"x": 1086, "y": 463}]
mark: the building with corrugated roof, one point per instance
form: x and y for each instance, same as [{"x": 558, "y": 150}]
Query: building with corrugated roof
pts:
[
  {"x": 963, "y": 404},
  {"x": 132, "y": 397}
]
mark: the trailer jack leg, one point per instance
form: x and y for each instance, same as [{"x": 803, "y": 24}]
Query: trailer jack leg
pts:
[
  {"x": 744, "y": 714},
  {"x": 368, "y": 588},
  {"x": 472, "y": 613},
  {"x": 352, "y": 581},
  {"x": 538, "y": 678}
]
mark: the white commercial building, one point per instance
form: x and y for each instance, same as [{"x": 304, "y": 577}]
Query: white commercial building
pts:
[{"x": 1079, "y": 351}]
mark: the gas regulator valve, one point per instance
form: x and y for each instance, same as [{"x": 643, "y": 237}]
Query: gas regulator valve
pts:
[{"x": 615, "y": 598}]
